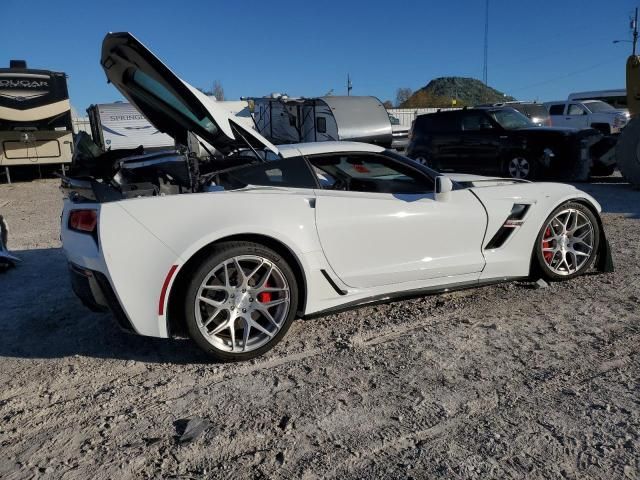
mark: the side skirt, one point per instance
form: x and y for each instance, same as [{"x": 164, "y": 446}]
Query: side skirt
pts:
[{"x": 408, "y": 294}]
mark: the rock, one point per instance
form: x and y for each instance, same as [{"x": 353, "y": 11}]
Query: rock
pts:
[
  {"x": 193, "y": 428},
  {"x": 285, "y": 423},
  {"x": 540, "y": 283}
]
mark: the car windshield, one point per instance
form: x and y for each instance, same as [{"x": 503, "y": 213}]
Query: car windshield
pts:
[
  {"x": 511, "y": 119},
  {"x": 598, "y": 106}
]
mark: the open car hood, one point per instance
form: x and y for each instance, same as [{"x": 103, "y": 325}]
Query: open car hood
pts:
[{"x": 170, "y": 104}]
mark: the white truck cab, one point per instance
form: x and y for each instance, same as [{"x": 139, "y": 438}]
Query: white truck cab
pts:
[{"x": 587, "y": 114}]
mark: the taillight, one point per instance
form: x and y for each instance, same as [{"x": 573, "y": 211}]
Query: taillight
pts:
[{"x": 83, "y": 220}]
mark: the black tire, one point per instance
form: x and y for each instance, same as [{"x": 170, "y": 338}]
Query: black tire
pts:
[
  {"x": 540, "y": 265},
  {"x": 222, "y": 253},
  {"x": 603, "y": 128},
  {"x": 519, "y": 166}
]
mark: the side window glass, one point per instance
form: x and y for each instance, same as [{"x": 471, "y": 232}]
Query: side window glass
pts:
[
  {"x": 475, "y": 122},
  {"x": 289, "y": 172},
  {"x": 575, "y": 109},
  {"x": 321, "y": 124},
  {"x": 556, "y": 109},
  {"x": 368, "y": 173}
]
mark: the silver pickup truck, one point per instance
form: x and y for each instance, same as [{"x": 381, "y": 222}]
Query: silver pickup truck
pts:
[{"x": 588, "y": 114}]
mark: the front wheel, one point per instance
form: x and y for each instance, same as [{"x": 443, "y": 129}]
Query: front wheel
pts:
[
  {"x": 568, "y": 242},
  {"x": 241, "y": 301}
]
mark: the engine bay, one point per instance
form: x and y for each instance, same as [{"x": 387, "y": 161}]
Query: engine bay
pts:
[{"x": 114, "y": 175}]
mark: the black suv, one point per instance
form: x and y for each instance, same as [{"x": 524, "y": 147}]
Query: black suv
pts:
[{"x": 500, "y": 141}]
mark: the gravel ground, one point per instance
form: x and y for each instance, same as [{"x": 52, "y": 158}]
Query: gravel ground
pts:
[{"x": 500, "y": 382}]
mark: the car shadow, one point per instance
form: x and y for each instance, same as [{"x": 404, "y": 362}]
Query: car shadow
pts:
[
  {"x": 40, "y": 317},
  {"x": 615, "y": 195}
]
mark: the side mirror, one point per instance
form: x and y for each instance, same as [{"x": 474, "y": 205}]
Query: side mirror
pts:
[{"x": 443, "y": 188}]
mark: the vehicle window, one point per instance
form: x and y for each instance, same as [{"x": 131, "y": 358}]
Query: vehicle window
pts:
[
  {"x": 475, "y": 121},
  {"x": 597, "y": 107},
  {"x": 394, "y": 120},
  {"x": 510, "y": 119},
  {"x": 537, "y": 110},
  {"x": 524, "y": 109},
  {"x": 438, "y": 123},
  {"x": 557, "y": 109},
  {"x": 575, "y": 109},
  {"x": 359, "y": 172},
  {"x": 321, "y": 125},
  {"x": 156, "y": 89},
  {"x": 289, "y": 172}
]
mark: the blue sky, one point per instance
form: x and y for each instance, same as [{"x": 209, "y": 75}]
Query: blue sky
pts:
[{"x": 538, "y": 49}]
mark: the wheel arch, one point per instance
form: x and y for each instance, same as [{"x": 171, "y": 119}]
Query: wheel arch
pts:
[
  {"x": 604, "y": 254},
  {"x": 176, "y": 326},
  {"x": 604, "y": 261}
]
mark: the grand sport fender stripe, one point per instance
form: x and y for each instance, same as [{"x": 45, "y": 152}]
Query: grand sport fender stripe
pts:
[
  {"x": 165, "y": 285},
  {"x": 37, "y": 113}
]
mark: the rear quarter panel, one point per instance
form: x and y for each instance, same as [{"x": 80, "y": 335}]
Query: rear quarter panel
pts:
[{"x": 143, "y": 238}]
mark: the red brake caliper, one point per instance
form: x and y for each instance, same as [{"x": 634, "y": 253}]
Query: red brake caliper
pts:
[
  {"x": 265, "y": 297},
  {"x": 548, "y": 256}
]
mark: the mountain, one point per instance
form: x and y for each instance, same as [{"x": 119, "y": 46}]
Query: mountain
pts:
[{"x": 440, "y": 92}]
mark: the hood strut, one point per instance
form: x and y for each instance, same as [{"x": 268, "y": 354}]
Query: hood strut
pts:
[{"x": 236, "y": 131}]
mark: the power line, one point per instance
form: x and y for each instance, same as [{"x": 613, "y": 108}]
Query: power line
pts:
[{"x": 566, "y": 75}]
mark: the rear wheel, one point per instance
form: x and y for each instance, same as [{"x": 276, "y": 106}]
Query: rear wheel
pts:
[
  {"x": 519, "y": 167},
  {"x": 568, "y": 242},
  {"x": 241, "y": 301}
]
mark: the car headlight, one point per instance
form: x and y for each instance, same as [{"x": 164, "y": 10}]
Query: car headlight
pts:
[{"x": 620, "y": 120}]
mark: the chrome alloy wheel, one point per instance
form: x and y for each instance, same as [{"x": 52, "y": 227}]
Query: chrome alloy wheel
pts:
[
  {"x": 519, "y": 167},
  {"x": 567, "y": 242},
  {"x": 242, "y": 303}
]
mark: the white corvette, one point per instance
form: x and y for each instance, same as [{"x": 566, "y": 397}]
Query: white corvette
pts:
[{"x": 230, "y": 249}]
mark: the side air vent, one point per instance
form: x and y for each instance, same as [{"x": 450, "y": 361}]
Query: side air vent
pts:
[
  {"x": 328, "y": 278},
  {"x": 513, "y": 221}
]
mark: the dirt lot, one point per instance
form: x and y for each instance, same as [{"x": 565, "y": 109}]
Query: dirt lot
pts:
[{"x": 501, "y": 382}]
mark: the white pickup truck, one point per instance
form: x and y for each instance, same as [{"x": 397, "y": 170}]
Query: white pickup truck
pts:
[{"x": 588, "y": 114}]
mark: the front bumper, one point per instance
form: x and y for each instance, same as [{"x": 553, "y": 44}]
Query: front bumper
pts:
[{"x": 95, "y": 292}]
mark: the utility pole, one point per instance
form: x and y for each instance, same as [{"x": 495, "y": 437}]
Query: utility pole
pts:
[
  {"x": 486, "y": 43},
  {"x": 349, "y": 86},
  {"x": 634, "y": 26}
]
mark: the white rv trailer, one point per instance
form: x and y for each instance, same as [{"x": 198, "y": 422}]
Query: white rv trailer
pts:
[
  {"x": 120, "y": 125},
  {"x": 615, "y": 98},
  {"x": 283, "y": 119},
  {"x": 35, "y": 117}
]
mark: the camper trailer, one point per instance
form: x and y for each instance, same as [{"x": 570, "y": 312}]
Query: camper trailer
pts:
[
  {"x": 293, "y": 120},
  {"x": 615, "y": 98},
  {"x": 35, "y": 117},
  {"x": 120, "y": 125}
]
